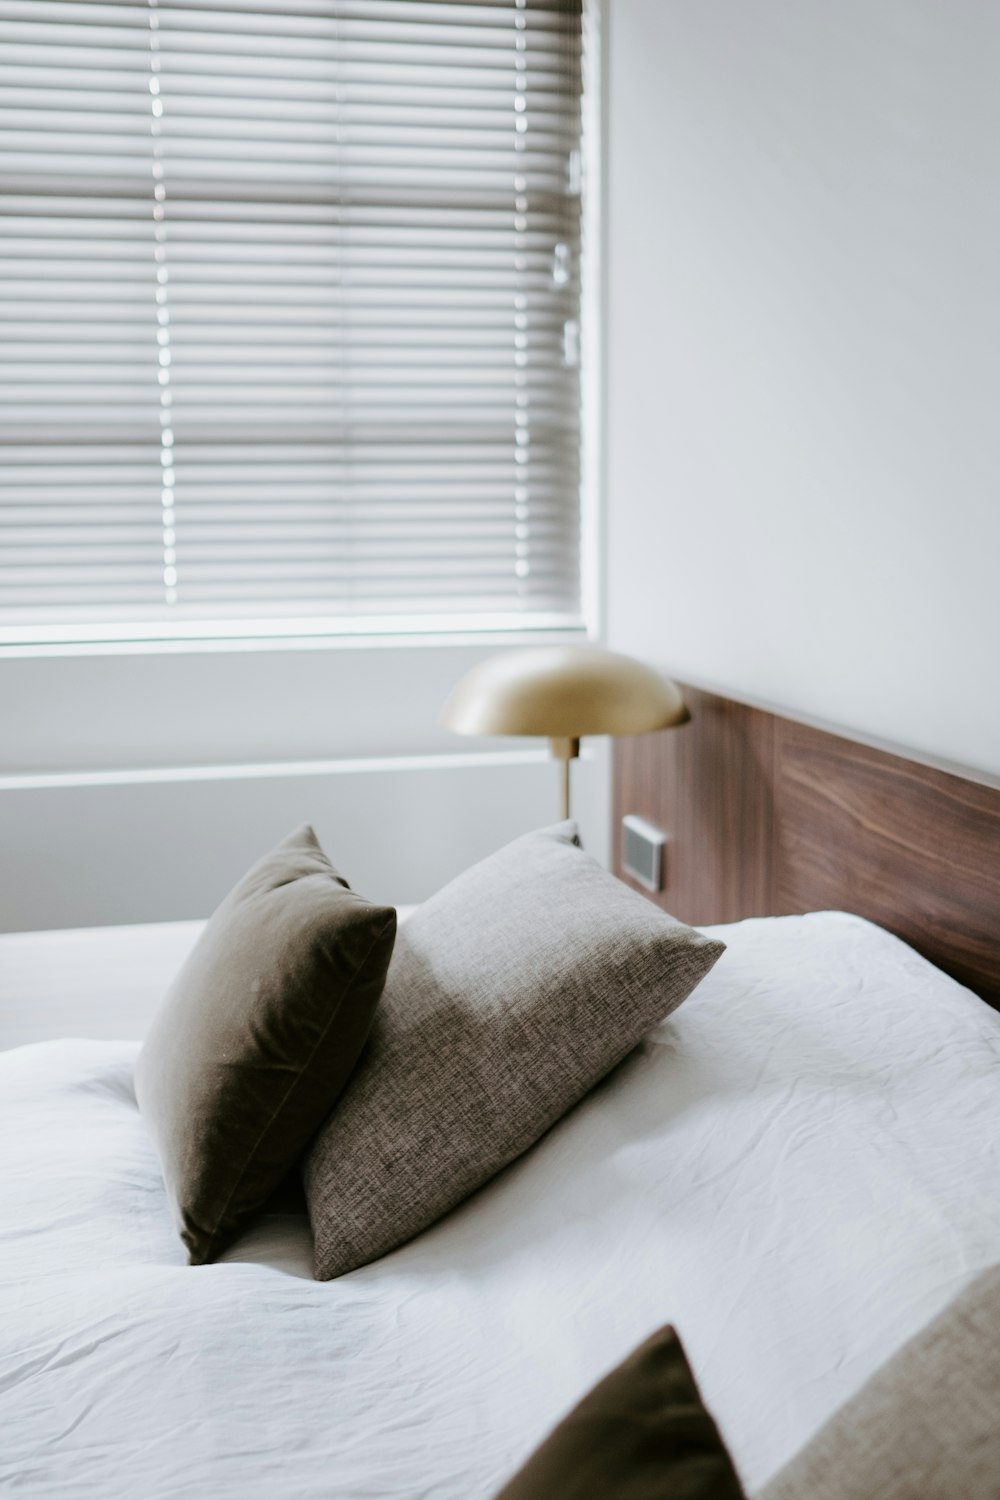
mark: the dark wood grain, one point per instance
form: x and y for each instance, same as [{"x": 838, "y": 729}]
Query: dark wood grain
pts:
[
  {"x": 767, "y": 816},
  {"x": 707, "y": 784}
]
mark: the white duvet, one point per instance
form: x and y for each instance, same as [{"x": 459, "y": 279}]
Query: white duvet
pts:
[{"x": 798, "y": 1169}]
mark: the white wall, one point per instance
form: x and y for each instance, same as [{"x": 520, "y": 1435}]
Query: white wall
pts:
[
  {"x": 803, "y": 332},
  {"x": 139, "y": 787}
]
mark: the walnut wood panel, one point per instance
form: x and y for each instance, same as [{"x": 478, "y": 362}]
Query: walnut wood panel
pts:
[
  {"x": 709, "y": 786},
  {"x": 914, "y": 849},
  {"x": 766, "y": 816}
]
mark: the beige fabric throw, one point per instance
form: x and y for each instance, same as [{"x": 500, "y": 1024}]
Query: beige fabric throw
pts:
[{"x": 926, "y": 1426}]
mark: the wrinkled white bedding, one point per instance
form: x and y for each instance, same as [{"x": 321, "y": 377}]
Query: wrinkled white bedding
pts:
[{"x": 799, "y": 1168}]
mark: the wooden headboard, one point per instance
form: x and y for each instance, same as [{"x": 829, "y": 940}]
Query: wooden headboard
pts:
[{"x": 766, "y": 816}]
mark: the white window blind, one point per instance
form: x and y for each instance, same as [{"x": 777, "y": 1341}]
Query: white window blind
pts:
[{"x": 289, "y": 315}]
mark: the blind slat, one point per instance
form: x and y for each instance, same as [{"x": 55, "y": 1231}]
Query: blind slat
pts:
[{"x": 289, "y": 314}]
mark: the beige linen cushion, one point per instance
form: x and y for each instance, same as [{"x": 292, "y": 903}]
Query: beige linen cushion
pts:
[
  {"x": 926, "y": 1426},
  {"x": 257, "y": 1036},
  {"x": 509, "y": 995}
]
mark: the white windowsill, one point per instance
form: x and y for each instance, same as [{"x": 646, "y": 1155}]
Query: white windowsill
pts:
[{"x": 293, "y": 638}]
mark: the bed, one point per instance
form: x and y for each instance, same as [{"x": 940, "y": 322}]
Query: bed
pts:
[{"x": 799, "y": 1168}]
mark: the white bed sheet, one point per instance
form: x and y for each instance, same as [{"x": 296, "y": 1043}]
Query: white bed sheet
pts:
[{"x": 799, "y": 1169}]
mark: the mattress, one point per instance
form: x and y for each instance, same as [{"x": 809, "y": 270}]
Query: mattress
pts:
[
  {"x": 87, "y": 981},
  {"x": 799, "y": 1168}
]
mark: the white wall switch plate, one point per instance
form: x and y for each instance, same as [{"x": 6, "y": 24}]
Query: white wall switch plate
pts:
[{"x": 643, "y": 846}]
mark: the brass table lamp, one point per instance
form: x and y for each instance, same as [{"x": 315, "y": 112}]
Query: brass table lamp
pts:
[{"x": 563, "y": 692}]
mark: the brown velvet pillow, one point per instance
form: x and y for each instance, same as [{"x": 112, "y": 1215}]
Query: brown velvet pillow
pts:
[
  {"x": 642, "y": 1433},
  {"x": 258, "y": 1035}
]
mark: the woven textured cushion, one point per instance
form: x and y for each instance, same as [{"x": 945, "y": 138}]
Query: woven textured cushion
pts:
[
  {"x": 510, "y": 994},
  {"x": 926, "y": 1426},
  {"x": 258, "y": 1035},
  {"x": 642, "y": 1433}
]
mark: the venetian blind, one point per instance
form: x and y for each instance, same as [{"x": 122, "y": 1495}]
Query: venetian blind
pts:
[{"x": 289, "y": 314}]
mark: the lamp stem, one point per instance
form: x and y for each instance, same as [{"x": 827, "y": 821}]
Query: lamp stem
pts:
[{"x": 564, "y": 749}]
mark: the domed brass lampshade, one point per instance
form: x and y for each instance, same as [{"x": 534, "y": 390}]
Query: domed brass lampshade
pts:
[{"x": 563, "y": 692}]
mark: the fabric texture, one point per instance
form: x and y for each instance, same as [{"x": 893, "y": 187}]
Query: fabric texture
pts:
[
  {"x": 257, "y": 1036},
  {"x": 642, "y": 1433},
  {"x": 510, "y": 994},
  {"x": 926, "y": 1426}
]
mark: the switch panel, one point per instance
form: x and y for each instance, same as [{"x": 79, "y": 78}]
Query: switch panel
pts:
[{"x": 643, "y": 846}]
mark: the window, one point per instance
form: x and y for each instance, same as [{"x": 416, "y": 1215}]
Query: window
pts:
[{"x": 289, "y": 316}]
